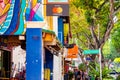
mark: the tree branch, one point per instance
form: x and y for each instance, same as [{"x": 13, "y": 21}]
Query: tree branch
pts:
[
  {"x": 89, "y": 40},
  {"x": 94, "y": 8},
  {"x": 94, "y": 37},
  {"x": 81, "y": 55},
  {"x": 87, "y": 37},
  {"x": 110, "y": 24}
]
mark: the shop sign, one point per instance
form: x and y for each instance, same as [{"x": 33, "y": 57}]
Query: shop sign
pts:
[
  {"x": 72, "y": 52},
  {"x": 57, "y": 10}
]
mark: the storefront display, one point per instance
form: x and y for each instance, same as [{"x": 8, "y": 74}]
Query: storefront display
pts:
[{"x": 12, "y": 58}]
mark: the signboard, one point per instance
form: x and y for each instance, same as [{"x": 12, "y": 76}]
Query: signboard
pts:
[
  {"x": 57, "y": 1},
  {"x": 72, "y": 52},
  {"x": 91, "y": 51},
  {"x": 57, "y": 10}
]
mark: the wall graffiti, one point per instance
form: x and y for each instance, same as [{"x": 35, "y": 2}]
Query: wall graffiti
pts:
[{"x": 14, "y": 14}]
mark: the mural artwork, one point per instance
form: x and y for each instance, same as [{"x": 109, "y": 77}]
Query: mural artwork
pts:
[
  {"x": 34, "y": 11},
  {"x": 14, "y": 13}
]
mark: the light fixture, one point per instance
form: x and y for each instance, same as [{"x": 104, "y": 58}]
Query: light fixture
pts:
[{"x": 21, "y": 37}]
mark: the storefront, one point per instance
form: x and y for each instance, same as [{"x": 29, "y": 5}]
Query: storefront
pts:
[
  {"x": 42, "y": 45},
  {"x": 12, "y": 57},
  {"x": 52, "y": 48},
  {"x": 48, "y": 65}
]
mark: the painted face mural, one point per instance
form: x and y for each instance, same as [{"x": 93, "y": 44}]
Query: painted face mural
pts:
[{"x": 14, "y": 13}]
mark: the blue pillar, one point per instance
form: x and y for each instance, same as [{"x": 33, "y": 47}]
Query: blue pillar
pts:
[
  {"x": 34, "y": 54},
  {"x": 60, "y": 30}
]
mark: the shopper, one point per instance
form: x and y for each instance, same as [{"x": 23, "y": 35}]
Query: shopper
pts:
[{"x": 79, "y": 76}]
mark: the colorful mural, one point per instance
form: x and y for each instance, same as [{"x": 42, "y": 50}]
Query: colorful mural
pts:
[
  {"x": 14, "y": 14},
  {"x": 34, "y": 11}
]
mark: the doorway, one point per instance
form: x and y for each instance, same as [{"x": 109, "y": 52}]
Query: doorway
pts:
[{"x": 5, "y": 63}]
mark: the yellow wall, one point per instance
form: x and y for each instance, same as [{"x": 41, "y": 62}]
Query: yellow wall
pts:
[{"x": 49, "y": 19}]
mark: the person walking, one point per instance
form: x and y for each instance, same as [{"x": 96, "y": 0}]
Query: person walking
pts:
[
  {"x": 82, "y": 75},
  {"x": 79, "y": 76}
]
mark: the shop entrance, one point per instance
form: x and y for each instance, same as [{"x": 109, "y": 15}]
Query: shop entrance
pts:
[
  {"x": 48, "y": 65},
  {"x": 12, "y": 57},
  {"x": 5, "y": 64}
]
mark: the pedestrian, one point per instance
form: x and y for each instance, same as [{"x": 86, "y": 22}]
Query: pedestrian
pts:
[
  {"x": 75, "y": 74},
  {"x": 82, "y": 74},
  {"x": 86, "y": 75},
  {"x": 79, "y": 75}
]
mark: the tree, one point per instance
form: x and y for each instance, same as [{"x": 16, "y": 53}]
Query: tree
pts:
[
  {"x": 115, "y": 36},
  {"x": 92, "y": 22},
  {"x": 109, "y": 50}
]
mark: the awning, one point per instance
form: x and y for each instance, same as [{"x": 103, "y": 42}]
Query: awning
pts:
[{"x": 51, "y": 41}]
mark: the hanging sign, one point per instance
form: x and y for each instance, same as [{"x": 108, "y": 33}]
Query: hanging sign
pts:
[
  {"x": 72, "y": 52},
  {"x": 57, "y": 10}
]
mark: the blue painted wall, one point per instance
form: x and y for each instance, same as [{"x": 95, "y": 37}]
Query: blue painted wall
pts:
[
  {"x": 60, "y": 30},
  {"x": 34, "y": 54},
  {"x": 49, "y": 61}
]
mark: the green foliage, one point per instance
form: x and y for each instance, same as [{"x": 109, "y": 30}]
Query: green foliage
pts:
[
  {"x": 82, "y": 66},
  {"x": 105, "y": 72},
  {"x": 70, "y": 73},
  {"x": 95, "y": 13},
  {"x": 95, "y": 71},
  {"x": 118, "y": 78},
  {"x": 110, "y": 51},
  {"x": 112, "y": 47},
  {"x": 86, "y": 13},
  {"x": 106, "y": 48},
  {"x": 115, "y": 37}
]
